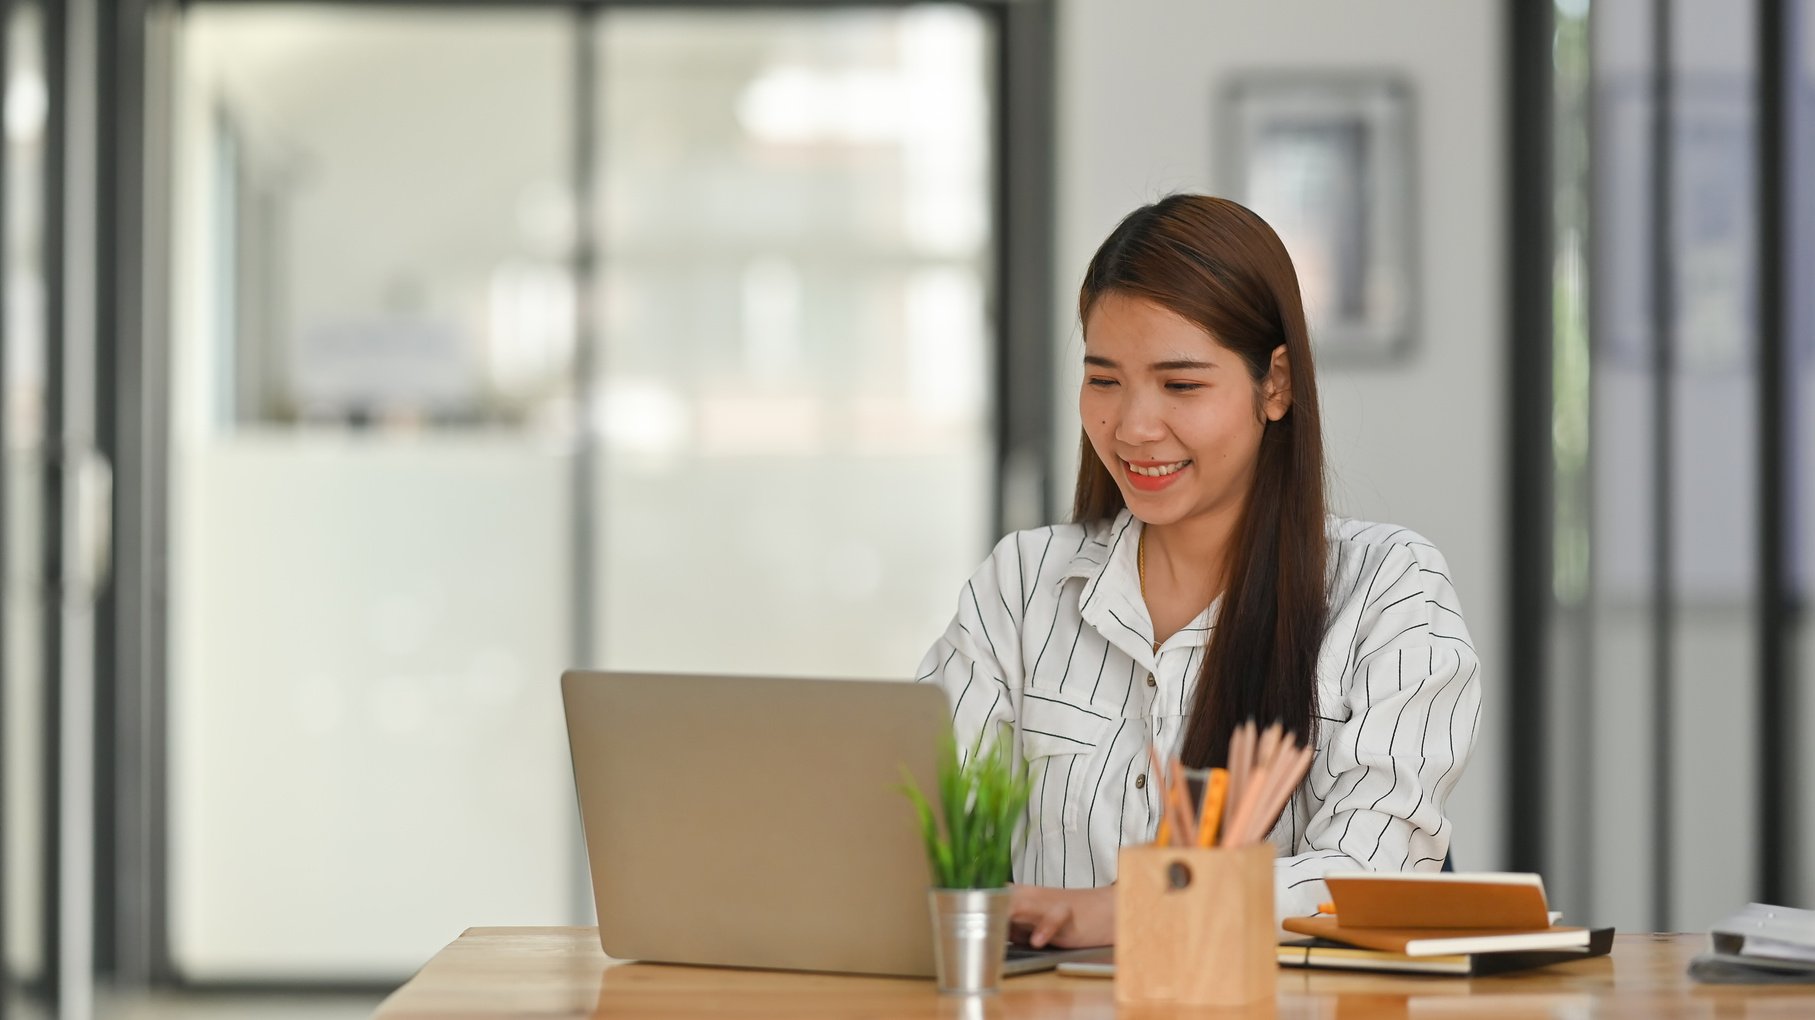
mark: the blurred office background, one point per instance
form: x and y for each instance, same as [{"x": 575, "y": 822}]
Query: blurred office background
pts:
[{"x": 366, "y": 364}]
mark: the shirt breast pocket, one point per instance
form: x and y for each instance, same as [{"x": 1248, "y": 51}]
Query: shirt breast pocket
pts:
[{"x": 1063, "y": 739}]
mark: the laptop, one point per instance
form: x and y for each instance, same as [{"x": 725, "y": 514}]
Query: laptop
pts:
[{"x": 759, "y": 822}]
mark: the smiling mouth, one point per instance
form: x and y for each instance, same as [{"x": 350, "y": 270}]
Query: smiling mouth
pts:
[{"x": 1156, "y": 470}]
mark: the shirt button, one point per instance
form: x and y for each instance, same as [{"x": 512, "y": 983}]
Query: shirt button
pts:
[
  {"x": 1150, "y": 681},
  {"x": 1140, "y": 781}
]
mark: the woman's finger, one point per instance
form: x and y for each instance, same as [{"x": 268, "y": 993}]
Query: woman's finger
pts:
[{"x": 1054, "y": 920}]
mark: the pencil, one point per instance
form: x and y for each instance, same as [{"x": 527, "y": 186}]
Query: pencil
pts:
[
  {"x": 1287, "y": 773},
  {"x": 1271, "y": 763},
  {"x": 1266, "y": 756},
  {"x": 1270, "y": 742},
  {"x": 1210, "y": 815},
  {"x": 1181, "y": 802},
  {"x": 1241, "y": 759},
  {"x": 1256, "y": 791}
]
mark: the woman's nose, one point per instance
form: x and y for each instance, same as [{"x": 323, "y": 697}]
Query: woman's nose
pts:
[{"x": 1140, "y": 421}]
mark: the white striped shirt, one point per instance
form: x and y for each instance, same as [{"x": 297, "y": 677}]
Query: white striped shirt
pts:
[{"x": 1053, "y": 636}]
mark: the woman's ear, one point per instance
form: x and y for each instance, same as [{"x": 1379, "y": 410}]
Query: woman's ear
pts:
[{"x": 1276, "y": 388}]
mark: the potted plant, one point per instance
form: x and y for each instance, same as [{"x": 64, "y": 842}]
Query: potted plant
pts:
[{"x": 970, "y": 850}]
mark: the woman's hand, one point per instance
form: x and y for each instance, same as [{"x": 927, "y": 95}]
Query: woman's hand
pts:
[{"x": 1067, "y": 918}]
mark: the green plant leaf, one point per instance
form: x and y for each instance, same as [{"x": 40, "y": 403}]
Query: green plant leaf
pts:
[
  {"x": 929, "y": 826},
  {"x": 981, "y": 797},
  {"x": 951, "y": 793}
]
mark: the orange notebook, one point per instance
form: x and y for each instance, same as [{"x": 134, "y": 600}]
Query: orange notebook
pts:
[
  {"x": 1437, "y": 913},
  {"x": 1439, "y": 899}
]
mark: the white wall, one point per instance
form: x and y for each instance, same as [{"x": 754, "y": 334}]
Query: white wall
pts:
[{"x": 1420, "y": 442}]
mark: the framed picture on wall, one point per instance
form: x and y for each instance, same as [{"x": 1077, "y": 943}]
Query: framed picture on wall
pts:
[{"x": 1328, "y": 161}]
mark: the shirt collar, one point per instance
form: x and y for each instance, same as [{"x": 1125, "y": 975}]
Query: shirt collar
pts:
[
  {"x": 1091, "y": 556},
  {"x": 1110, "y": 599}
]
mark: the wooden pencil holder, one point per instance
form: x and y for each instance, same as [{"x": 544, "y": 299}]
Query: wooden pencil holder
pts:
[{"x": 1195, "y": 926}]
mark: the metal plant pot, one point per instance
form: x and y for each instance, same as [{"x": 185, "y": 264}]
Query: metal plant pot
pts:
[{"x": 970, "y": 937}]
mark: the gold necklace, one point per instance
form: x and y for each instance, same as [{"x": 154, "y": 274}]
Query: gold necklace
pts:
[
  {"x": 1140, "y": 569},
  {"x": 1140, "y": 560}
]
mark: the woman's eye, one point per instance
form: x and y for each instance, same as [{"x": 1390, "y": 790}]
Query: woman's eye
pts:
[
  {"x": 1099, "y": 382},
  {"x": 1183, "y": 387}
]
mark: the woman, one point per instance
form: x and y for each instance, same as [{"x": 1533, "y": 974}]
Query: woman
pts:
[{"x": 1202, "y": 582}]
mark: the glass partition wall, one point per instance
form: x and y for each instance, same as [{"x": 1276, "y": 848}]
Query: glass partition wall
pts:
[
  {"x": 510, "y": 339},
  {"x": 1683, "y": 348},
  {"x": 369, "y": 515},
  {"x": 793, "y": 293}
]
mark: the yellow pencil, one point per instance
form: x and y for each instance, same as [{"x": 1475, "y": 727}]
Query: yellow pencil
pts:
[{"x": 1210, "y": 815}]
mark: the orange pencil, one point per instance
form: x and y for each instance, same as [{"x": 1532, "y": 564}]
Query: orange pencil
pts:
[
  {"x": 1181, "y": 801},
  {"x": 1260, "y": 784},
  {"x": 1287, "y": 773},
  {"x": 1241, "y": 759},
  {"x": 1239, "y": 826},
  {"x": 1210, "y": 815},
  {"x": 1270, "y": 744}
]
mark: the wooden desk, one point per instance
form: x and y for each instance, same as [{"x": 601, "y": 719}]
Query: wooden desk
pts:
[{"x": 561, "y": 972}]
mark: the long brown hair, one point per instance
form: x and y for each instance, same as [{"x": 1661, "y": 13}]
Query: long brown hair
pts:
[{"x": 1220, "y": 266}]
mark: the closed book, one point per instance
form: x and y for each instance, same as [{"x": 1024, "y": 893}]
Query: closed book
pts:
[
  {"x": 1504, "y": 900},
  {"x": 1336, "y": 956},
  {"x": 1439, "y": 941}
]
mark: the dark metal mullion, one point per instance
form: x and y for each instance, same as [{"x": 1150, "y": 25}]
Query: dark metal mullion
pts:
[
  {"x": 1663, "y": 418},
  {"x": 51, "y": 508},
  {"x": 1001, "y": 363},
  {"x": 1775, "y": 808},
  {"x": 115, "y": 231},
  {"x": 129, "y": 430},
  {"x": 1023, "y": 186},
  {"x": 1531, "y": 464}
]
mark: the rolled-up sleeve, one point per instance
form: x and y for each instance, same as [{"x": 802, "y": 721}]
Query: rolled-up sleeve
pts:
[
  {"x": 978, "y": 658},
  {"x": 1410, "y": 707}
]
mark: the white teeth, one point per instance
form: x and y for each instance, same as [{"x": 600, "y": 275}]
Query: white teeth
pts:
[{"x": 1157, "y": 472}]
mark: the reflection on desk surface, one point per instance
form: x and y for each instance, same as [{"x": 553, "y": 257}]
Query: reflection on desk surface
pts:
[{"x": 560, "y": 972}]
